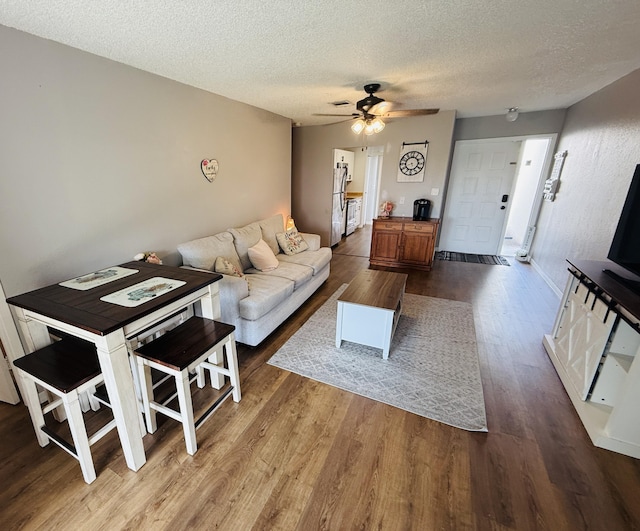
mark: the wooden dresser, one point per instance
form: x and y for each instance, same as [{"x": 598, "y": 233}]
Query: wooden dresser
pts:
[{"x": 402, "y": 242}]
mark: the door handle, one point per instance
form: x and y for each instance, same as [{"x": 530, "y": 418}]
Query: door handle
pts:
[{"x": 502, "y": 207}]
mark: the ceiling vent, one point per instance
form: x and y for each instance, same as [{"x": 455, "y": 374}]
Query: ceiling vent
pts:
[{"x": 341, "y": 103}]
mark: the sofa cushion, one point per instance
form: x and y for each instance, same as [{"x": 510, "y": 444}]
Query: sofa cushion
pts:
[
  {"x": 225, "y": 267},
  {"x": 243, "y": 238},
  {"x": 262, "y": 257},
  {"x": 270, "y": 227},
  {"x": 317, "y": 260},
  {"x": 265, "y": 293},
  {"x": 202, "y": 253},
  {"x": 299, "y": 274},
  {"x": 291, "y": 242}
]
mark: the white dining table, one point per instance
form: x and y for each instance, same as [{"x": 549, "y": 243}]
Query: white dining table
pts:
[{"x": 83, "y": 313}]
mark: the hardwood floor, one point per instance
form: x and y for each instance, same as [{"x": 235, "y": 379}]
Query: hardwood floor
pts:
[{"x": 297, "y": 454}]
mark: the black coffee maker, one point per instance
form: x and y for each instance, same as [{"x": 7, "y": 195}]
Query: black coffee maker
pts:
[{"x": 421, "y": 209}]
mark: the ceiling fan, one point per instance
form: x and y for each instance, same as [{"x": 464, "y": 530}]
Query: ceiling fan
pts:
[{"x": 372, "y": 108}]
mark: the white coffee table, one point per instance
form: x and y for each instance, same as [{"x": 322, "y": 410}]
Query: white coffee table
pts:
[{"x": 369, "y": 309}]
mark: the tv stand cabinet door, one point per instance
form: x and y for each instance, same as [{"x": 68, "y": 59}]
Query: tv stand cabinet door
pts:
[{"x": 582, "y": 337}]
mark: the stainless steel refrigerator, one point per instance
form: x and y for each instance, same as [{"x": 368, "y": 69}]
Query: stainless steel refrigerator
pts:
[{"x": 339, "y": 202}]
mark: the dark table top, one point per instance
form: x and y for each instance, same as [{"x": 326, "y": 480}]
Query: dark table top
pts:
[
  {"x": 85, "y": 310},
  {"x": 621, "y": 295},
  {"x": 379, "y": 289}
]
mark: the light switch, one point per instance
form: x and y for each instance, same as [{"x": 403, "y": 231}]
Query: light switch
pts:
[
  {"x": 401, "y": 200},
  {"x": 435, "y": 191}
]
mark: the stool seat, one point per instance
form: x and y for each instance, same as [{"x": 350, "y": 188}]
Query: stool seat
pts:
[
  {"x": 65, "y": 365},
  {"x": 197, "y": 345},
  {"x": 66, "y": 368},
  {"x": 179, "y": 347}
]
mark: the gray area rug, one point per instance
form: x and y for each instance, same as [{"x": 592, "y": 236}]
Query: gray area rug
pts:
[{"x": 432, "y": 370}]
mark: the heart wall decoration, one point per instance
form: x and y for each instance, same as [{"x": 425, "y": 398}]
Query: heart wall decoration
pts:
[{"x": 209, "y": 169}]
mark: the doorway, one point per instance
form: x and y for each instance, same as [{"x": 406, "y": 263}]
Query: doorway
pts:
[
  {"x": 480, "y": 184},
  {"x": 526, "y": 198},
  {"x": 495, "y": 194},
  {"x": 373, "y": 171}
]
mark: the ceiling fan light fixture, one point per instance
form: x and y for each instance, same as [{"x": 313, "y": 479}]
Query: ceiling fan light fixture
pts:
[
  {"x": 512, "y": 114},
  {"x": 373, "y": 126},
  {"x": 358, "y": 126}
]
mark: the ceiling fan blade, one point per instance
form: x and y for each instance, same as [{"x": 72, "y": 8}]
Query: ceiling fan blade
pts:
[
  {"x": 380, "y": 109},
  {"x": 353, "y": 114},
  {"x": 340, "y": 121},
  {"x": 408, "y": 112}
]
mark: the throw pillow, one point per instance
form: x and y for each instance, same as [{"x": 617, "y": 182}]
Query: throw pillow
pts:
[
  {"x": 292, "y": 242},
  {"x": 262, "y": 256},
  {"x": 225, "y": 267},
  {"x": 202, "y": 253},
  {"x": 270, "y": 227},
  {"x": 243, "y": 238}
]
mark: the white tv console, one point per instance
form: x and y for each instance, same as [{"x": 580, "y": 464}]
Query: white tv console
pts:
[{"x": 595, "y": 348}]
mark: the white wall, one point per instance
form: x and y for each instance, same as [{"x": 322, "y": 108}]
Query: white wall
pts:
[
  {"x": 526, "y": 188},
  {"x": 312, "y": 157},
  {"x": 101, "y": 161},
  {"x": 602, "y": 137}
]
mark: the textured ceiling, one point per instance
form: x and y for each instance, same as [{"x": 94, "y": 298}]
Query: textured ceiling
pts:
[{"x": 295, "y": 57}]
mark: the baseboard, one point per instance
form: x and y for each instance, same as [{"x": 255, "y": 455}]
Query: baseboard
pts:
[{"x": 546, "y": 278}]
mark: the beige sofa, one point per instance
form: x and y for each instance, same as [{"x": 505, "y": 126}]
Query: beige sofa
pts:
[{"x": 257, "y": 301}]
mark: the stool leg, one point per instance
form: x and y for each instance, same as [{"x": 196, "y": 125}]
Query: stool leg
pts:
[
  {"x": 32, "y": 401},
  {"x": 200, "y": 380},
  {"x": 146, "y": 390},
  {"x": 93, "y": 401},
  {"x": 217, "y": 359},
  {"x": 232, "y": 362},
  {"x": 186, "y": 411},
  {"x": 79, "y": 434}
]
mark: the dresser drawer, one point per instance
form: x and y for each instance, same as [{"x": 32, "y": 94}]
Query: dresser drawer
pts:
[
  {"x": 427, "y": 228},
  {"x": 387, "y": 225}
]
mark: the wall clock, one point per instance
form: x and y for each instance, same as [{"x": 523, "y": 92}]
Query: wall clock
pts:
[{"x": 412, "y": 163}]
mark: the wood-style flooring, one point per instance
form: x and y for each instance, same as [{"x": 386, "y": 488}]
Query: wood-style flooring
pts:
[{"x": 297, "y": 454}]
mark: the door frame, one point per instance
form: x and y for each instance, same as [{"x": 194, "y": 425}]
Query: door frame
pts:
[
  {"x": 371, "y": 188},
  {"x": 537, "y": 204},
  {"x": 13, "y": 347}
]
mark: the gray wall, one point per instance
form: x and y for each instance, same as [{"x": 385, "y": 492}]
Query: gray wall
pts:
[
  {"x": 312, "y": 166},
  {"x": 602, "y": 137},
  {"x": 528, "y": 123},
  {"x": 101, "y": 161}
]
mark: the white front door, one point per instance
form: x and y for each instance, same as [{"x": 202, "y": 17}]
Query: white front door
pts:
[{"x": 482, "y": 173}]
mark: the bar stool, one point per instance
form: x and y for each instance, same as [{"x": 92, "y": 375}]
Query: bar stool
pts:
[
  {"x": 193, "y": 346},
  {"x": 66, "y": 368}
]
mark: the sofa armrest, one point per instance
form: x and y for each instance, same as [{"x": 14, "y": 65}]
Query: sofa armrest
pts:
[
  {"x": 231, "y": 290},
  {"x": 313, "y": 240}
]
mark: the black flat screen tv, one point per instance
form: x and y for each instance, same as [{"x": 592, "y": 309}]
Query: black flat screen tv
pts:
[{"x": 625, "y": 247}]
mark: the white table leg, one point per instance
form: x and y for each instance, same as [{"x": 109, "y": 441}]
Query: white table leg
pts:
[
  {"x": 114, "y": 362},
  {"x": 388, "y": 331},
  {"x": 339, "y": 325},
  {"x": 210, "y": 306}
]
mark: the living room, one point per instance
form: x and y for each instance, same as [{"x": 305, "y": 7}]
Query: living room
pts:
[{"x": 102, "y": 161}]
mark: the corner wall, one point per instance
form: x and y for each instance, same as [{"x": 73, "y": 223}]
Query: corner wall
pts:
[
  {"x": 312, "y": 157},
  {"x": 101, "y": 161},
  {"x": 602, "y": 137}
]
